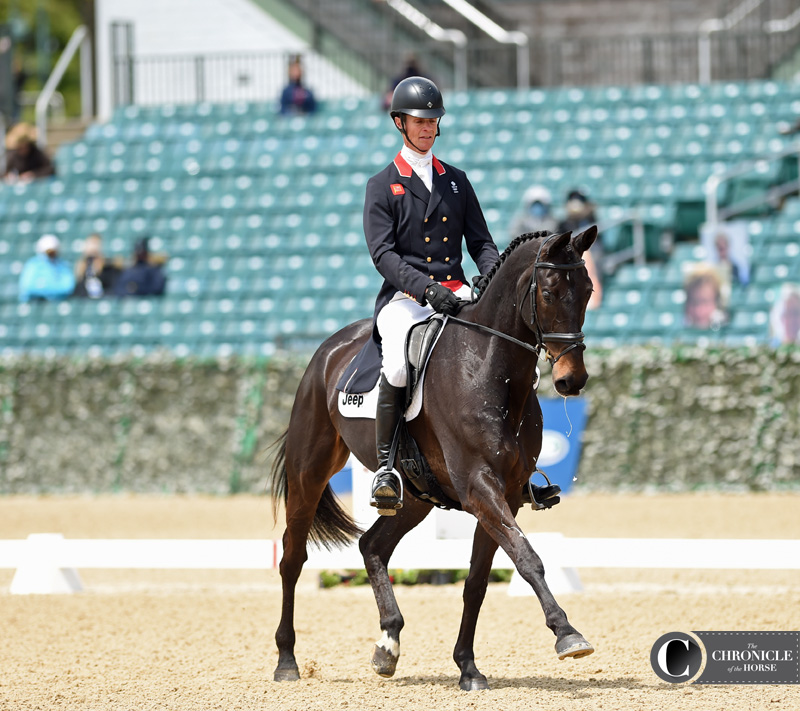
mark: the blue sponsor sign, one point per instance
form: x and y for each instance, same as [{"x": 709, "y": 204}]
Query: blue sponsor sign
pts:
[{"x": 564, "y": 422}]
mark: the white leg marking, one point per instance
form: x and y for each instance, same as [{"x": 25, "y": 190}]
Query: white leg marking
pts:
[
  {"x": 514, "y": 528},
  {"x": 390, "y": 645}
]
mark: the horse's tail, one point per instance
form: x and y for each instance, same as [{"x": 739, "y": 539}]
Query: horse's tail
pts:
[{"x": 332, "y": 527}]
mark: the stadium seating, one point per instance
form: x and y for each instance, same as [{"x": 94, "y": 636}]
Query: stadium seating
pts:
[{"x": 260, "y": 215}]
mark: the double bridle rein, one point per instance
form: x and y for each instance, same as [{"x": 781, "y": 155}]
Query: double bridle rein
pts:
[{"x": 576, "y": 340}]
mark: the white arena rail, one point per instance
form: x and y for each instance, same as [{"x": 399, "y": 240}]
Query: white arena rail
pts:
[{"x": 48, "y": 563}]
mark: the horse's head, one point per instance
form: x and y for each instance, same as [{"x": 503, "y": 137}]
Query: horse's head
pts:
[{"x": 559, "y": 291}]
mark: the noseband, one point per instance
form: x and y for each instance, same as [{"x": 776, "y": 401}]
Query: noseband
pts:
[{"x": 574, "y": 339}]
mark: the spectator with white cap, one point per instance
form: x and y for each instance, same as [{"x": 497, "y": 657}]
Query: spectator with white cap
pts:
[{"x": 46, "y": 276}]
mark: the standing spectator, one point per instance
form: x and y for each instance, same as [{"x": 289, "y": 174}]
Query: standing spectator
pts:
[
  {"x": 46, "y": 276},
  {"x": 411, "y": 69},
  {"x": 296, "y": 98},
  {"x": 579, "y": 214},
  {"x": 143, "y": 277},
  {"x": 25, "y": 161},
  {"x": 95, "y": 276},
  {"x": 535, "y": 215}
]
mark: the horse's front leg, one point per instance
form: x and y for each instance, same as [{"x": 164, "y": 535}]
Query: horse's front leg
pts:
[
  {"x": 377, "y": 546},
  {"x": 483, "y": 550},
  {"x": 487, "y": 502}
]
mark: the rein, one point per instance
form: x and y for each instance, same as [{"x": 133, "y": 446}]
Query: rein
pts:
[{"x": 576, "y": 340}]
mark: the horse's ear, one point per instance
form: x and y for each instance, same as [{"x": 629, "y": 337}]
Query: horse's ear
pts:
[
  {"x": 585, "y": 239},
  {"x": 557, "y": 242}
]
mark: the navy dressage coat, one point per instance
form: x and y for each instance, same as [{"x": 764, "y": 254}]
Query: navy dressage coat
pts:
[{"x": 415, "y": 237}]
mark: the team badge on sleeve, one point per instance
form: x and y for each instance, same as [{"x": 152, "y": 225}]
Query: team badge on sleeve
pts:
[{"x": 398, "y": 189}]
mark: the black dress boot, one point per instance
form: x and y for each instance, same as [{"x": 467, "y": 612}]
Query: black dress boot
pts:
[
  {"x": 387, "y": 487},
  {"x": 541, "y": 497}
]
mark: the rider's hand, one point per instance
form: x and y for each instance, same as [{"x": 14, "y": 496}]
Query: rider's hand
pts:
[
  {"x": 441, "y": 299},
  {"x": 479, "y": 282}
]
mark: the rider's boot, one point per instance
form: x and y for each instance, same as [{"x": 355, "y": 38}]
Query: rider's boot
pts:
[
  {"x": 387, "y": 486},
  {"x": 541, "y": 497}
]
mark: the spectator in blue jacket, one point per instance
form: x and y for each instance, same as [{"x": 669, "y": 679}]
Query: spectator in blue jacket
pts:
[
  {"x": 45, "y": 275},
  {"x": 296, "y": 98},
  {"x": 142, "y": 278}
]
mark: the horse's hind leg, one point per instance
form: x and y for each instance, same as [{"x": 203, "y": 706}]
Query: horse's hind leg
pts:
[
  {"x": 377, "y": 546},
  {"x": 308, "y": 469},
  {"x": 483, "y": 550}
]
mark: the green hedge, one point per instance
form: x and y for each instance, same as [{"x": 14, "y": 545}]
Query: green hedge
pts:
[{"x": 663, "y": 419}]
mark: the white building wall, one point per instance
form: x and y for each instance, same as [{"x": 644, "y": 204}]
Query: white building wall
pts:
[{"x": 207, "y": 27}]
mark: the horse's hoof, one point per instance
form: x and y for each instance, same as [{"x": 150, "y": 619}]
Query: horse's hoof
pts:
[
  {"x": 288, "y": 674},
  {"x": 384, "y": 663},
  {"x": 573, "y": 645},
  {"x": 473, "y": 683}
]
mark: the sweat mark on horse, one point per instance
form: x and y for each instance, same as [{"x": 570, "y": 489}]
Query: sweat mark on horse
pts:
[{"x": 480, "y": 430}]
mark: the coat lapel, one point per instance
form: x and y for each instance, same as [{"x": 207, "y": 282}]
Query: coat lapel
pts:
[
  {"x": 410, "y": 179},
  {"x": 438, "y": 185}
]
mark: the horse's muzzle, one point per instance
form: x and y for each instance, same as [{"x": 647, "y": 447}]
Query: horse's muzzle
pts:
[{"x": 568, "y": 380}]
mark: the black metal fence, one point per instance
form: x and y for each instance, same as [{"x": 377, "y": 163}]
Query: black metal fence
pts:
[{"x": 656, "y": 59}]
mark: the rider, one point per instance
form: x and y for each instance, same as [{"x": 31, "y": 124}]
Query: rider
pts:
[{"x": 417, "y": 211}]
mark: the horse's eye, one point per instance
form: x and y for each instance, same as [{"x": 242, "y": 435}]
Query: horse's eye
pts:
[{"x": 547, "y": 296}]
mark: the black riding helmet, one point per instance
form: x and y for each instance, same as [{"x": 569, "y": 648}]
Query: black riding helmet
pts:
[{"x": 416, "y": 96}]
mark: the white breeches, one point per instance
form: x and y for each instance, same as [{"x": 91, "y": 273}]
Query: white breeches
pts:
[{"x": 394, "y": 321}]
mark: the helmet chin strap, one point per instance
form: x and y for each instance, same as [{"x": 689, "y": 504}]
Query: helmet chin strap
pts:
[{"x": 405, "y": 134}]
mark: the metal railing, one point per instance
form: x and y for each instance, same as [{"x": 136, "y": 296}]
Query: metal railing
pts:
[
  {"x": 79, "y": 40},
  {"x": 771, "y": 196}
]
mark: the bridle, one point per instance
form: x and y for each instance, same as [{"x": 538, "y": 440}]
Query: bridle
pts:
[{"x": 576, "y": 340}]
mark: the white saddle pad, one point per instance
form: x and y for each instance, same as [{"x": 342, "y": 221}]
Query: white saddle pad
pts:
[{"x": 366, "y": 404}]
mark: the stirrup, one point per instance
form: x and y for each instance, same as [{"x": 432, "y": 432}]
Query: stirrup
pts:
[
  {"x": 389, "y": 499},
  {"x": 541, "y": 497}
]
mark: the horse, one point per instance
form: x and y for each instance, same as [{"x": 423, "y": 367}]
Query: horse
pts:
[{"x": 480, "y": 429}]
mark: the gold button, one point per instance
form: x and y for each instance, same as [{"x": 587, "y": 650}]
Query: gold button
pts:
[
  {"x": 431, "y": 276},
  {"x": 449, "y": 277},
  {"x": 445, "y": 239},
  {"x": 444, "y": 219},
  {"x": 427, "y": 239},
  {"x": 429, "y": 259},
  {"x": 426, "y": 219},
  {"x": 447, "y": 259}
]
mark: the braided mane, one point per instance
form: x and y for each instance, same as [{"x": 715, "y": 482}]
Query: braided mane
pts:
[{"x": 516, "y": 242}]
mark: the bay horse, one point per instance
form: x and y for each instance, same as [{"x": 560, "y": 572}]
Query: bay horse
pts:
[{"x": 480, "y": 429}]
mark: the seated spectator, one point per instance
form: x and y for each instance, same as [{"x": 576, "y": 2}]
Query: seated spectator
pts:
[
  {"x": 144, "y": 277},
  {"x": 785, "y": 317},
  {"x": 95, "y": 275},
  {"x": 704, "y": 306},
  {"x": 535, "y": 214},
  {"x": 46, "y": 276},
  {"x": 25, "y": 161},
  {"x": 579, "y": 214},
  {"x": 296, "y": 98}
]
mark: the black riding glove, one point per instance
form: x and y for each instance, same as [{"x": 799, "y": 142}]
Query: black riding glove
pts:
[
  {"x": 442, "y": 299},
  {"x": 479, "y": 282}
]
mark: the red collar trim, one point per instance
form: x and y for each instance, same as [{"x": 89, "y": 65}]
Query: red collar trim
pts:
[
  {"x": 405, "y": 169},
  {"x": 402, "y": 166}
]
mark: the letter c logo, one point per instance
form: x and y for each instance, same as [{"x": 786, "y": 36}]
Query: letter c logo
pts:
[{"x": 676, "y": 657}]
